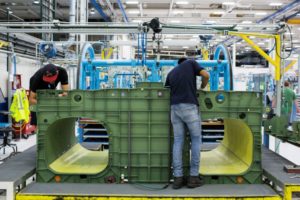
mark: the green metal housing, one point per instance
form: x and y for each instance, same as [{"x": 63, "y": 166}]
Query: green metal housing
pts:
[{"x": 140, "y": 136}]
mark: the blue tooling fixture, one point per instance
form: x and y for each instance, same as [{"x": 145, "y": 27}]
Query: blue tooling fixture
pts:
[
  {"x": 47, "y": 49},
  {"x": 89, "y": 68}
]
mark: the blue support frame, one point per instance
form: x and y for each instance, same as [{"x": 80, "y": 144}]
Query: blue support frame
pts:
[{"x": 91, "y": 68}]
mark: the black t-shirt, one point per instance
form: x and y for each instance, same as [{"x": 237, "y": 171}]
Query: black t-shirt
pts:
[
  {"x": 37, "y": 83},
  {"x": 182, "y": 81}
]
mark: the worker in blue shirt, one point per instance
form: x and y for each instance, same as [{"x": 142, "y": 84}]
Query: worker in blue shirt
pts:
[{"x": 185, "y": 111}]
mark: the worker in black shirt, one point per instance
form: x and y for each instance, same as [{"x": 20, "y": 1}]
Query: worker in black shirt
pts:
[
  {"x": 47, "y": 77},
  {"x": 185, "y": 112}
]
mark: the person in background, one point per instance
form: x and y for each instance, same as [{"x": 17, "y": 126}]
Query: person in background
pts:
[
  {"x": 288, "y": 101},
  {"x": 185, "y": 111},
  {"x": 47, "y": 77}
]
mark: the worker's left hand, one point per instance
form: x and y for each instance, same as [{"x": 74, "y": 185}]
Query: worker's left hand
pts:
[{"x": 63, "y": 94}]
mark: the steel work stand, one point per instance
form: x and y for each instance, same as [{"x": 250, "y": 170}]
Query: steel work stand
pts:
[
  {"x": 16, "y": 170},
  {"x": 273, "y": 168}
]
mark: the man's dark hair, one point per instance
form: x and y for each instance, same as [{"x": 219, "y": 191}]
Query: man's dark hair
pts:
[
  {"x": 286, "y": 84},
  {"x": 181, "y": 60}
]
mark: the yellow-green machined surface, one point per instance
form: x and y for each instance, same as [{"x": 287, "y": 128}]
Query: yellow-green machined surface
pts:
[
  {"x": 78, "y": 159},
  {"x": 234, "y": 155}
]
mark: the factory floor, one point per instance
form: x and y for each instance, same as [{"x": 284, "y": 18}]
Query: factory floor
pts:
[{"x": 22, "y": 145}]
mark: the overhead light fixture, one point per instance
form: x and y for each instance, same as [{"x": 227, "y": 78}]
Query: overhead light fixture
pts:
[
  {"x": 92, "y": 11},
  {"x": 132, "y": 2},
  {"x": 136, "y": 21},
  {"x": 195, "y": 36},
  {"x": 218, "y": 12},
  {"x": 133, "y": 11},
  {"x": 13, "y": 3},
  {"x": 246, "y": 22},
  {"x": 36, "y": 2},
  {"x": 229, "y": 3},
  {"x": 165, "y": 47},
  {"x": 169, "y": 36},
  {"x": 210, "y": 22},
  {"x": 178, "y": 11},
  {"x": 261, "y": 43},
  {"x": 275, "y": 4},
  {"x": 261, "y": 13},
  {"x": 175, "y": 21},
  {"x": 182, "y": 2},
  {"x": 185, "y": 47},
  {"x": 252, "y": 37},
  {"x": 10, "y": 12}
]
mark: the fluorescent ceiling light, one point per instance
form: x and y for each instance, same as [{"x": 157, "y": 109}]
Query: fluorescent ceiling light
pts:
[
  {"x": 246, "y": 22},
  {"x": 210, "y": 22},
  {"x": 229, "y": 3},
  {"x": 275, "y": 4},
  {"x": 175, "y": 21},
  {"x": 165, "y": 47},
  {"x": 133, "y": 11},
  {"x": 261, "y": 43},
  {"x": 36, "y": 1},
  {"x": 261, "y": 13},
  {"x": 252, "y": 37},
  {"x": 196, "y": 36},
  {"x": 169, "y": 36},
  {"x": 185, "y": 47},
  {"x": 193, "y": 39},
  {"x": 132, "y": 2},
  {"x": 218, "y": 12},
  {"x": 136, "y": 21},
  {"x": 178, "y": 11},
  {"x": 168, "y": 39},
  {"x": 182, "y": 2},
  {"x": 92, "y": 11},
  {"x": 238, "y": 43}
]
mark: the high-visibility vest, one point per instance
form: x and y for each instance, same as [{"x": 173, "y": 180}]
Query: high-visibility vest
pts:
[{"x": 19, "y": 108}]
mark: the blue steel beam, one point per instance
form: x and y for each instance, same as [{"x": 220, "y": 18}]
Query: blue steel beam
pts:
[
  {"x": 133, "y": 63},
  {"x": 100, "y": 10},
  {"x": 123, "y": 11},
  {"x": 281, "y": 11}
]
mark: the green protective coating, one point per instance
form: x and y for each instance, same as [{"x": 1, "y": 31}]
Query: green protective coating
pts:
[
  {"x": 140, "y": 136},
  {"x": 277, "y": 126}
]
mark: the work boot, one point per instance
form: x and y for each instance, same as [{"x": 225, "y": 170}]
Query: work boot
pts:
[
  {"x": 194, "y": 181},
  {"x": 178, "y": 182}
]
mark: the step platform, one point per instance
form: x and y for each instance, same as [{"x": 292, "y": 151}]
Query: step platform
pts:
[
  {"x": 144, "y": 191},
  {"x": 273, "y": 168}
]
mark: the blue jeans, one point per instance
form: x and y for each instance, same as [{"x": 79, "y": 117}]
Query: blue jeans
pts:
[{"x": 186, "y": 114}]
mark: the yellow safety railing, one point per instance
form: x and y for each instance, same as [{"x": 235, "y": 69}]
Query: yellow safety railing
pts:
[{"x": 275, "y": 62}]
